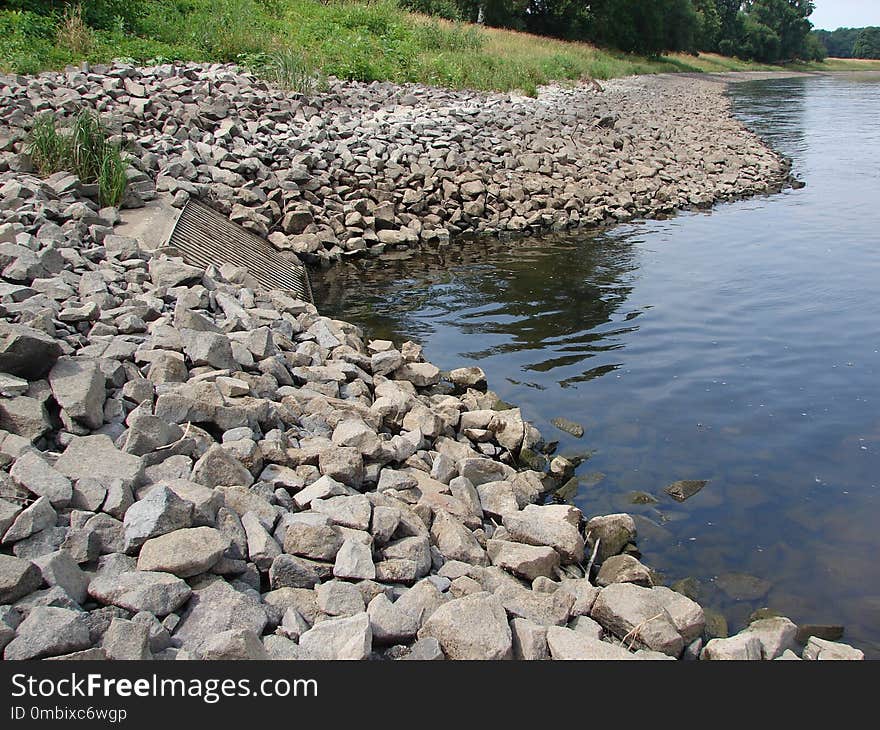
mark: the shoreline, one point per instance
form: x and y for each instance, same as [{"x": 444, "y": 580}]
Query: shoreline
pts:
[{"x": 199, "y": 468}]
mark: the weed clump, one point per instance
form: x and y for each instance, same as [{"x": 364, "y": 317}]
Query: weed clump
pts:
[{"x": 81, "y": 146}]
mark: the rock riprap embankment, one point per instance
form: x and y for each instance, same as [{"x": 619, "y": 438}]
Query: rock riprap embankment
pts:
[
  {"x": 362, "y": 167},
  {"x": 195, "y": 467}
]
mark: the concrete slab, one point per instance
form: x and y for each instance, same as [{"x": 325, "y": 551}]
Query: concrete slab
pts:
[{"x": 152, "y": 224}]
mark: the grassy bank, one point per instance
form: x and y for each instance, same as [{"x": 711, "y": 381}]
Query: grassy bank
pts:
[{"x": 351, "y": 40}]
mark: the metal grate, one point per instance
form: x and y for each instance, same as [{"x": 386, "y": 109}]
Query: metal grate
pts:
[{"x": 204, "y": 237}]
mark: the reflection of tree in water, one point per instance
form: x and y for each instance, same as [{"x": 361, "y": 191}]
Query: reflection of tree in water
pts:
[
  {"x": 775, "y": 110},
  {"x": 557, "y": 296}
]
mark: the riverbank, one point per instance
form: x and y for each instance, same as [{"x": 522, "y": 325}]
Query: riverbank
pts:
[
  {"x": 199, "y": 468},
  {"x": 364, "y": 167}
]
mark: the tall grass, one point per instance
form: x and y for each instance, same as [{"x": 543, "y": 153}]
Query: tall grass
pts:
[
  {"x": 81, "y": 146},
  {"x": 364, "y": 40}
]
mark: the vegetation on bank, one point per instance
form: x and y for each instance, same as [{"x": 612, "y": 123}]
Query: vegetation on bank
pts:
[
  {"x": 295, "y": 42},
  {"x": 851, "y": 42},
  {"x": 83, "y": 145}
]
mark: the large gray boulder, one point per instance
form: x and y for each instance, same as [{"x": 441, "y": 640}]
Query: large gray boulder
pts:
[
  {"x": 78, "y": 387},
  {"x": 534, "y": 528},
  {"x": 18, "y": 578},
  {"x": 473, "y": 627},
  {"x": 49, "y": 631},
  {"x": 27, "y": 352},
  {"x": 157, "y": 593},
  {"x": 36, "y": 475},
  {"x": 635, "y": 614},
  {"x": 97, "y": 457},
  {"x": 568, "y": 644},
  {"x": 340, "y": 638},
  {"x": 185, "y": 553},
  {"x": 214, "y": 609},
  {"x": 160, "y": 512}
]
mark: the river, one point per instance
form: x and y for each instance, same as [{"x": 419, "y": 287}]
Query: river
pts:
[{"x": 740, "y": 346}]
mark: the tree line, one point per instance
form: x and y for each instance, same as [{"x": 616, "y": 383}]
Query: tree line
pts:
[
  {"x": 769, "y": 31},
  {"x": 850, "y": 42}
]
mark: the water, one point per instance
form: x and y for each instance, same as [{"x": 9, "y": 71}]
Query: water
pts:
[{"x": 740, "y": 346}]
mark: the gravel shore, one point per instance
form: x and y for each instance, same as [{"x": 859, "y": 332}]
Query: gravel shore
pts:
[{"x": 194, "y": 467}]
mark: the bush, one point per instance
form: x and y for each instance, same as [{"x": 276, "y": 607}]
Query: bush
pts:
[
  {"x": 448, "y": 9},
  {"x": 83, "y": 147}
]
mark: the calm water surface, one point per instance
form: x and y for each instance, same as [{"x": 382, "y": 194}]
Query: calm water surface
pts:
[{"x": 740, "y": 346}]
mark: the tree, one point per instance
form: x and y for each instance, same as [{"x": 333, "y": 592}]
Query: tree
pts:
[
  {"x": 708, "y": 32},
  {"x": 867, "y": 44}
]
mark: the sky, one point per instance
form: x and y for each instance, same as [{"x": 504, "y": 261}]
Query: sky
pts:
[{"x": 833, "y": 14}]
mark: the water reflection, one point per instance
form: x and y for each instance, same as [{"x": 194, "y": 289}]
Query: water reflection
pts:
[{"x": 740, "y": 346}]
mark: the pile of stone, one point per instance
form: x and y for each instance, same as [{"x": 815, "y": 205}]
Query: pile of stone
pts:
[
  {"x": 363, "y": 167},
  {"x": 194, "y": 467}
]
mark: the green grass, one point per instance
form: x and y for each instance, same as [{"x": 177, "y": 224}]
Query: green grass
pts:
[
  {"x": 295, "y": 42},
  {"x": 81, "y": 146}
]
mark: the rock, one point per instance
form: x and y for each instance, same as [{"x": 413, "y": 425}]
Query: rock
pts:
[
  {"x": 235, "y": 645},
  {"x": 208, "y": 348},
  {"x": 680, "y": 491},
  {"x": 215, "y": 609},
  {"x": 60, "y": 569},
  {"x": 822, "y": 649},
  {"x": 337, "y": 598},
  {"x": 157, "y": 593},
  {"x": 687, "y": 616},
  {"x": 529, "y": 640},
  {"x": 49, "y": 631},
  {"x": 354, "y": 561},
  {"x": 288, "y": 571},
  {"x": 570, "y": 427},
  {"x": 78, "y": 386},
  {"x": 318, "y": 541},
  {"x": 586, "y": 625},
  {"x": 24, "y": 416},
  {"x": 353, "y": 511},
  {"x": 532, "y": 529},
  {"x": 31, "y": 520},
  {"x": 635, "y": 613},
  {"x": 185, "y": 552},
  {"x": 160, "y": 512},
  {"x": 262, "y": 549},
  {"x": 342, "y": 638},
  {"x": 567, "y": 644},
  {"x": 742, "y": 587},
  {"x": 18, "y": 578},
  {"x": 425, "y": 650},
  {"x": 473, "y": 627},
  {"x": 420, "y": 374},
  {"x": 624, "y": 569},
  {"x": 583, "y": 593},
  {"x": 421, "y": 600},
  {"x": 170, "y": 273},
  {"x": 526, "y": 561},
  {"x": 26, "y": 352},
  {"x": 33, "y": 473},
  {"x": 742, "y": 647},
  {"x": 469, "y": 377},
  {"x": 217, "y": 467},
  {"x": 389, "y": 623},
  {"x": 830, "y": 632},
  {"x": 497, "y": 499},
  {"x": 777, "y": 635},
  {"x": 545, "y": 609},
  {"x": 455, "y": 541},
  {"x": 344, "y": 464},
  {"x": 127, "y": 640},
  {"x": 96, "y": 457},
  {"x": 613, "y": 533}
]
